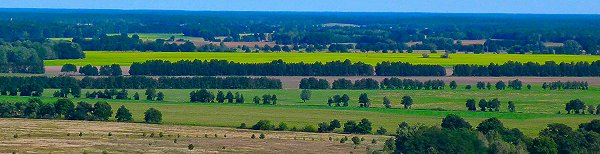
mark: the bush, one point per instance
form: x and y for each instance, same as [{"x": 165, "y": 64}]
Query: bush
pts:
[
  {"x": 356, "y": 140},
  {"x": 191, "y": 147},
  {"x": 68, "y": 68},
  {"x": 153, "y": 116},
  {"x": 242, "y": 126},
  {"x": 262, "y": 136},
  {"x": 263, "y": 125}
]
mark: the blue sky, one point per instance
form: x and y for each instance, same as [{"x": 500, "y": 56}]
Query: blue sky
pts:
[{"x": 442, "y": 6}]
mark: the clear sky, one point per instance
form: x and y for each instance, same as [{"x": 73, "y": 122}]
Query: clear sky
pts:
[{"x": 442, "y": 6}]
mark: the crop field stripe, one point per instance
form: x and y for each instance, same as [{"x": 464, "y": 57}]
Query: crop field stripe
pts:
[{"x": 124, "y": 58}]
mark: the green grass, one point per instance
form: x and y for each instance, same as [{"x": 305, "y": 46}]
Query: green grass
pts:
[
  {"x": 537, "y": 108},
  {"x": 98, "y": 58}
]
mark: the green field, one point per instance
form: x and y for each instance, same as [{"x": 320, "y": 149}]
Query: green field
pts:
[
  {"x": 98, "y": 58},
  {"x": 536, "y": 108}
]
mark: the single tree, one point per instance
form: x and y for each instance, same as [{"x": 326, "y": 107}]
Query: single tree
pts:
[
  {"x": 345, "y": 99},
  {"x": 274, "y": 99},
  {"x": 407, "y": 101},
  {"x": 453, "y": 85},
  {"x": 136, "y": 96},
  {"x": 229, "y": 97},
  {"x": 482, "y": 104},
  {"x": 102, "y": 111},
  {"x": 153, "y": 116},
  {"x": 150, "y": 94},
  {"x": 511, "y": 106},
  {"x": 305, "y": 95},
  {"x": 256, "y": 100},
  {"x": 123, "y": 114},
  {"x": 386, "y": 102},
  {"x": 160, "y": 96},
  {"x": 471, "y": 105},
  {"x": 220, "y": 97},
  {"x": 364, "y": 100}
]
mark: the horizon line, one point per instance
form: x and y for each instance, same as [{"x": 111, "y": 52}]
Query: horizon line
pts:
[{"x": 307, "y": 11}]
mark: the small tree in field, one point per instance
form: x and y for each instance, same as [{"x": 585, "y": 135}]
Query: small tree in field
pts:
[
  {"x": 123, "y": 114},
  {"x": 305, "y": 95},
  {"x": 150, "y": 94},
  {"x": 387, "y": 103},
  {"x": 511, "y": 106},
  {"x": 453, "y": 85},
  {"x": 136, "y": 96},
  {"x": 407, "y": 101},
  {"x": 153, "y": 116},
  {"x": 160, "y": 96}
]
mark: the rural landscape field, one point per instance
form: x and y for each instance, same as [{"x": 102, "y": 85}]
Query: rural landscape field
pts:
[{"x": 164, "y": 81}]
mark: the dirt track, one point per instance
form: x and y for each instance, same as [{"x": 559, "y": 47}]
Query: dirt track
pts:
[{"x": 291, "y": 82}]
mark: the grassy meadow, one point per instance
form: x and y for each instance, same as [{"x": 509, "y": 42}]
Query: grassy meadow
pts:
[
  {"x": 98, "y": 58},
  {"x": 536, "y": 108}
]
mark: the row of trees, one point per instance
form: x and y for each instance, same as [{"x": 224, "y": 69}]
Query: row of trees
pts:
[
  {"x": 511, "y": 68},
  {"x": 488, "y": 105},
  {"x": 66, "y": 109},
  {"x": 407, "y": 69},
  {"x": 280, "y": 68},
  {"x": 13, "y": 84},
  {"x": 457, "y": 136},
  {"x": 274, "y": 68},
  {"x": 565, "y": 85},
  {"x": 369, "y": 83},
  {"x": 205, "y": 96},
  {"x": 363, "y": 126},
  {"x": 89, "y": 70}
]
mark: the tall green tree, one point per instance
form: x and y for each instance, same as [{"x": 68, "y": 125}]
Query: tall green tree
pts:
[
  {"x": 305, "y": 95},
  {"x": 153, "y": 116},
  {"x": 123, "y": 114},
  {"x": 407, "y": 101}
]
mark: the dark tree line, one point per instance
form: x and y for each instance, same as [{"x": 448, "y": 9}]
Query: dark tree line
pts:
[
  {"x": 407, "y": 69},
  {"x": 530, "y": 69},
  {"x": 389, "y": 83},
  {"x": 106, "y": 70},
  {"x": 565, "y": 85},
  {"x": 314, "y": 83},
  {"x": 69, "y": 84},
  {"x": 61, "y": 109},
  {"x": 409, "y": 84},
  {"x": 275, "y": 68}
]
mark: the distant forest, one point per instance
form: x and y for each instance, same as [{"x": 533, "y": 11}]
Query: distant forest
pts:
[{"x": 336, "y": 32}]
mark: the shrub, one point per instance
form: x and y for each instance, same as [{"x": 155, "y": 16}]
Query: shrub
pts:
[
  {"x": 242, "y": 126},
  {"x": 356, "y": 140},
  {"x": 262, "y": 136},
  {"x": 263, "y": 125},
  {"x": 153, "y": 116},
  {"x": 191, "y": 147}
]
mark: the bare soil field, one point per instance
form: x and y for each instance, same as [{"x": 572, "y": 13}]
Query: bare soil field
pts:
[{"x": 59, "y": 136}]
